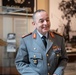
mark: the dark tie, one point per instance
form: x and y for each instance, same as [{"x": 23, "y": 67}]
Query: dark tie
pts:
[{"x": 44, "y": 40}]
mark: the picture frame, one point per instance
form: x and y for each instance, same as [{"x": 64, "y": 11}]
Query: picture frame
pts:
[
  {"x": 64, "y": 24},
  {"x": 11, "y": 42},
  {"x": 15, "y": 7}
]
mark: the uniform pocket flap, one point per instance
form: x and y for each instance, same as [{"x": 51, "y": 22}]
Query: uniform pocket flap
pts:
[{"x": 35, "y": 55}]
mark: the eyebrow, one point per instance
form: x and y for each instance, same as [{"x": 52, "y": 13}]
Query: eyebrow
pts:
[{"x": 44, "y": 19}]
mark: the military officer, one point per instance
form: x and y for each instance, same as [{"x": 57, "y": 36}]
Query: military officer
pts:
[{"x": 36, "y": 58}]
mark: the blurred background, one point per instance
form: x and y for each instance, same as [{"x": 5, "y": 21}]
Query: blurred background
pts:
[{"x": 16, "y": 20}]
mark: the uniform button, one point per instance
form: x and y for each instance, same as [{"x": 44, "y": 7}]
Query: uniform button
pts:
[
  {"x": 35, "y": 61},
  {"x": 34, "y": 56},
  {"x": 57, "y": 55},
  {"x": 48, "y": 73},
  {"x": 47, "y": 55},
  {"x": 34, "y": 48},
  {"x": 48, "y": 64}
]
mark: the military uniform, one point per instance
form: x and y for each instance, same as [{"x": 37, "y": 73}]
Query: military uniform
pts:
[{"x": 34, "y": 59}]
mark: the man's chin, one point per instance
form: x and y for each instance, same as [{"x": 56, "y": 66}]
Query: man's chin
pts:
[{"x": 45, "y": 31}]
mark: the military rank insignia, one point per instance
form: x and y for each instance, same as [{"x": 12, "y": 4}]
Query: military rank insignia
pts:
[
  {"x": 57, "y": 50},
  {"x": 34, "y": 36},
  {"x": 52, "y": 35}
]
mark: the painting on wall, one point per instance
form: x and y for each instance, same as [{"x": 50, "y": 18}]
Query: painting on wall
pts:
[
  {"x": 63, "y": 16},
  {"x": 19, "y": 7},
  {"x": 69, "y": 11}
]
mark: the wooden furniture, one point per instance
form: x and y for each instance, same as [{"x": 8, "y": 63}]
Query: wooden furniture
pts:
[{"x": 72, "y": 55}]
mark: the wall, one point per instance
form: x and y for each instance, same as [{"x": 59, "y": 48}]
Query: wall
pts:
[
  {"x": 7, "y": 24},
  {"x": 1, "y": 23},
  {"x": 1, "y": 35},
  {"x": 43, "y": 4},
  {"x": 55, "y": 17}
]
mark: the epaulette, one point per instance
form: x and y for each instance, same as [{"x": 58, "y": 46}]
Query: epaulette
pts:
[
  {"x": 52, "y": 34},
  {"x": 57, "y": 33},
  {"x": 26, "y": 35}
]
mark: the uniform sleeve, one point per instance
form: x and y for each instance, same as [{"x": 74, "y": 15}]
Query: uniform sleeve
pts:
[
  {"x": 62, "y": 61},
  {"x": 22, "y": 61}
]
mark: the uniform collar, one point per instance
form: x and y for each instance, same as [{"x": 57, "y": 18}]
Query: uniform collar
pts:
[{"x": 41, "y": 34}]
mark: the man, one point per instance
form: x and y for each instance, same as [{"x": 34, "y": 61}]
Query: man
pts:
[{"x": 35, "y": 58}]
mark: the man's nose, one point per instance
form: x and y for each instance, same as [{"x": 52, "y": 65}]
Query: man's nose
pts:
[{"x": 45, "y": 22}]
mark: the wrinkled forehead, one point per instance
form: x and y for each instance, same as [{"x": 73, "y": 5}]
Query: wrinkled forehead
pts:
[{"x": 42, "y": 15}]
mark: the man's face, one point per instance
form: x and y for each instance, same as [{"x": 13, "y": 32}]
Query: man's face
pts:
[{"x": 42, "y": 22}]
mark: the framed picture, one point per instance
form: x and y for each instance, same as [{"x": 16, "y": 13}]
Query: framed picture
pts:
[
  {"x": 11, "y": 36},
  {"x": 19, "y": 7},
  {"x": 63, "y": 20},
  {"x": 11, "y": 42}
]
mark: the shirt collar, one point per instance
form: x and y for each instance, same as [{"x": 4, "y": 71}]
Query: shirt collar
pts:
[{"x": 41, "y": 34}]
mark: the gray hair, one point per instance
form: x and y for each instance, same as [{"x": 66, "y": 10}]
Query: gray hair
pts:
[{"x": 40, "y": 10}]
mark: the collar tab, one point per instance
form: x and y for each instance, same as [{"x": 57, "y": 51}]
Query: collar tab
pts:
[{"x": 34, "y": 36}]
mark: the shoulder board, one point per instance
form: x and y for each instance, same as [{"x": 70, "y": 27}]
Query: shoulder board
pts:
[
  {"x": 57, "y": 33},
  {"x": 52, "y": 34},
  {"x": 26, "y": 35}
]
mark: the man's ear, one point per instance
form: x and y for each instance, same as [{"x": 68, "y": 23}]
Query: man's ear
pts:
[{"x": 33, "y": 23}]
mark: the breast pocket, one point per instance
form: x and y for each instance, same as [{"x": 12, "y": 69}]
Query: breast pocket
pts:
[
  {"x": 57, "y": 54},
  {"x": 35, "y": 59}
]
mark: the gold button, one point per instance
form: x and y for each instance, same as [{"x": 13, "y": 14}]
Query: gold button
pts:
[
  {"x": 34, "y": 48},
  {"x": 57, "y": 55},
  {"x": 48, "y": 64},
  {"x": 34, "y": 56},
  {"x": 35, "y": 61},
  {"x": 47, "y": 55}
]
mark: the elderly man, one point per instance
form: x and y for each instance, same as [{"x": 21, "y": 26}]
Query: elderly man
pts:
[{"x": 41, "y": 52}]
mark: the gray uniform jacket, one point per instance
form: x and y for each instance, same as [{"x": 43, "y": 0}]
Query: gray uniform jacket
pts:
[{"x": 34, "y": 59}]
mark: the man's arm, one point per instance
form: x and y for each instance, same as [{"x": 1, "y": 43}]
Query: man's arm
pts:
[
  {"x": 62, "y": 61},
  {"x": 22, "y": 61}
]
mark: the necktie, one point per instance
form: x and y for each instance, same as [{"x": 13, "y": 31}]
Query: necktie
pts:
[{"x": 44, "y": 41}]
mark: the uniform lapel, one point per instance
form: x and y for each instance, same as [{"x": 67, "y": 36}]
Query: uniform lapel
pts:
[
  {"x": 38, "y": 41},
  {"x": 50, "y": 40},
  {"x": 49, "y": 44}
]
